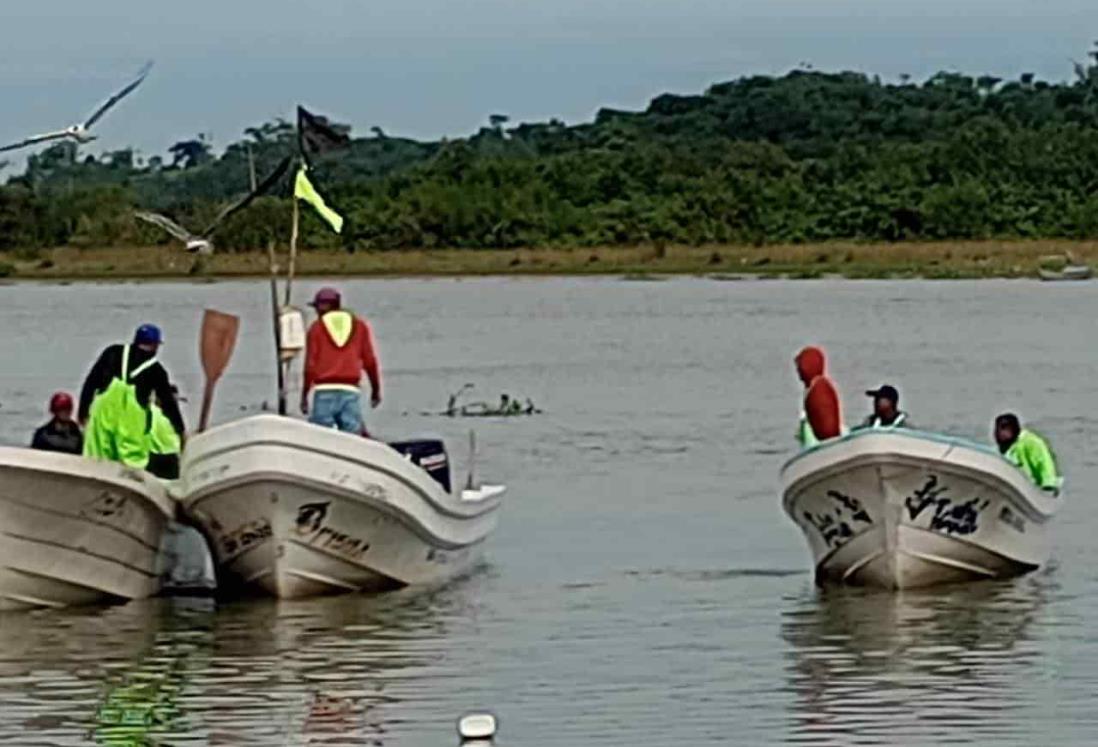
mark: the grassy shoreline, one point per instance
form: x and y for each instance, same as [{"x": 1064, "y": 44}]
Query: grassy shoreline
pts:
[{"x": 937, "y": 260}]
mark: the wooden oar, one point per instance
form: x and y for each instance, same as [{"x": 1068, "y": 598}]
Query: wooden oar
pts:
[{"x": 216, "y": 347}]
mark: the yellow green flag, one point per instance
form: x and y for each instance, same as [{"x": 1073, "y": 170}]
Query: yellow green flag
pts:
[{"x": 304, "y": 190}]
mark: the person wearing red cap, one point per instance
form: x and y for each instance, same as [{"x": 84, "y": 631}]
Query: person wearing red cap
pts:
[
  {"x": 62, "y": 433},
  {"x": 339, "y": 348}
]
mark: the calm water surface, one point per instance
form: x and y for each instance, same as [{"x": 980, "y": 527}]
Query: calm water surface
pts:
[{"x": 644, "y": 587}]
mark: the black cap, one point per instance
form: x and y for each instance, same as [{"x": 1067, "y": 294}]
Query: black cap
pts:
[{"x": 885, "y": 392}]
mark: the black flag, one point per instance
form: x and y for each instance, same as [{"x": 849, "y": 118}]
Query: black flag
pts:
[
  {"x": 316, "y": 135},
  {"x": 264, "y": 187}
]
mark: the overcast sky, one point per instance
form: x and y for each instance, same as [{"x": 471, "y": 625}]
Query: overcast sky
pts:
[{"x": 425, "y": 68}]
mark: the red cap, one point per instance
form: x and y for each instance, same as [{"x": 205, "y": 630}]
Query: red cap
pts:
[
  {"x": 59, "y": 402},
  {"x": 328, "y": 296}
]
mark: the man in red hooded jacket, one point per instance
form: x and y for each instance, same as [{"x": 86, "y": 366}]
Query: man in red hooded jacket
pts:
[
  {"x": 338, "y": 349},
  {"x": 821, "y": 398}
]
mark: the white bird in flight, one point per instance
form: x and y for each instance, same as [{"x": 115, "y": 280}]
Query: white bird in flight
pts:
[
  {"x": 195, "y": 244},
  {"x": 201, "y": 243},
  {"x": 79, "y": 132}
]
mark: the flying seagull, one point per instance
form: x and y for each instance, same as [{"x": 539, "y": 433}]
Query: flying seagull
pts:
[
  {"x": 201, "y": 243},
  {"x": 79, "y": 132}
]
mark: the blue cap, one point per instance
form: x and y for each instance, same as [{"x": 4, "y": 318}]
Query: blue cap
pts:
[{"x": 148, "y": 334}]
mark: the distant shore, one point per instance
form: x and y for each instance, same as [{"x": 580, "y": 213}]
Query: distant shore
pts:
[{"x": 937, "y": 260}]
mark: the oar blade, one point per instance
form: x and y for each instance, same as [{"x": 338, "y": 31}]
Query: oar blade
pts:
[{"x": 219, "y": 332}]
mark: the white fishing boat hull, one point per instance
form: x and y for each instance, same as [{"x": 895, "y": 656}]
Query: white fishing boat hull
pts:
[
  {"x": 76, "y": 531},
  {"x": 1071, "y": 272},
  {"x": 902, "y": 509},
  {"x": 292, "y": 510}
]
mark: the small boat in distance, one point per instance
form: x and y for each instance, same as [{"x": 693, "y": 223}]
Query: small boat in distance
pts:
[
  {"x": 900, "y": 509},
  {"x": 294, "y": 510},
  {"x": 77, "y": 531},
  {"x": 1070, "y": 272},
  {"x": 1064, "y": 266}
]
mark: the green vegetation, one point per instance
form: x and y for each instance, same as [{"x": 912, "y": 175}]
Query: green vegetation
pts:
[
  {"x": 809, "y": 157},
  {"x": 937, "y": 260}
]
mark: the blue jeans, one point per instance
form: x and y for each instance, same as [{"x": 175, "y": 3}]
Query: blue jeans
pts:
[{"x": 337, "y": 408}]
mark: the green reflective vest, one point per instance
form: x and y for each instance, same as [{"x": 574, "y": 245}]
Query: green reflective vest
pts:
[
  {"x": 118, "y": 425},
  {"x": 162, "y": 436},
  {"x": 806, "y": 437},
  {"x": 340, "y": 324},
  {"x": 1031, "y": 454}
]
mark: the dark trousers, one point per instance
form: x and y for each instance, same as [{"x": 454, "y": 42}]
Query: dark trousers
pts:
[{"x": 164, "y": 466}]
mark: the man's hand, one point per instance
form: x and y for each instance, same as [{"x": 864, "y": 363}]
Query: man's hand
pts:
[{"x": 375, "y": 400}]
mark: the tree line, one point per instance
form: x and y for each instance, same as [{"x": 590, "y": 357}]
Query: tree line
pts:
[{"x": 805, "y": 157}]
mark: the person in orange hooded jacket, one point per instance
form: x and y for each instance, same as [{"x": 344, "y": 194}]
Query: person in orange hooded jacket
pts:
[
  {"x": 822, "y": 415},
  {"x": 338, "y": 349}
]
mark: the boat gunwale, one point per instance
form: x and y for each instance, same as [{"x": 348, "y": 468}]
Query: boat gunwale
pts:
[
  {"x": 409, "y": 474},
  {"x": 190, "y": 497},
  {"x": 863, "y": 433},
  {"x": 1033, "y": 501},
  {"x": 73, "y": 466},
  {"x": 1026, "y": 505}
]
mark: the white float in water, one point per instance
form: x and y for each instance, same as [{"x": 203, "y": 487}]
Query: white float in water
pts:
[{"x": 477, "y": 728}]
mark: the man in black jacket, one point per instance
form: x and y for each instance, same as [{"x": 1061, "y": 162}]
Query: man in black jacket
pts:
[
  {"x": 114, "y": 401},
  {"x": 886, "y": 410},
  {"x": 61, "y": 434}
]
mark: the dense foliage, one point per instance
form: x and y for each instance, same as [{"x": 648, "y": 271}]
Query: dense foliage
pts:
[{"x": 807, "y": 157}]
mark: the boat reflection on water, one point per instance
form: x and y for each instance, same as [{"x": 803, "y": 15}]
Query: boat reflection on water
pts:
[
  {"x": 337, "y": 670},
  {"x": 142, "y": 701},
  {"x": 110, "y": 675},
  {"x": 896, "y": 668},
  {"x": 329, "y": 670}
]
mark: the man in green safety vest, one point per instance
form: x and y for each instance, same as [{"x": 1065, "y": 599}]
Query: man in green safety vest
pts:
[
  {"x": 1027, "y": 451},
  {"x": 115, "y": 401}
]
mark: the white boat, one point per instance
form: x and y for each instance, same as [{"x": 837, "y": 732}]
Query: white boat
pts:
[
  {"x": 902, "y": 509},
  {"x": 77, "y": 531},
  {"x": 1070, "y": 272},
  {"x": 294, "y": 510}
]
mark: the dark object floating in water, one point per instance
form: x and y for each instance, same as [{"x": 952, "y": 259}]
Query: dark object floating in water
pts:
[{"x": 508, "y": 407}]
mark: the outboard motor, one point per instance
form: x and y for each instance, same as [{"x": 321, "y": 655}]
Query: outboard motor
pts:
[{"x": 430, "y": 454}]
